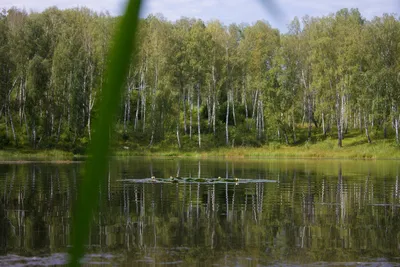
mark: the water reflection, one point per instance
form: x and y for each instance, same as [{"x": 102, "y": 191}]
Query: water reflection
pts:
[{"x": 315, "y": 212}]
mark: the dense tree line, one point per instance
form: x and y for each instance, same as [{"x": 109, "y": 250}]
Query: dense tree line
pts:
[{"x": 196, "y": 82}]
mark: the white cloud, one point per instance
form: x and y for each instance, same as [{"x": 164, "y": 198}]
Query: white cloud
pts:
[{"x": 174, "y": 9}]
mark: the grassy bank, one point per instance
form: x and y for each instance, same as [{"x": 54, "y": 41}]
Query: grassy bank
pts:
[
  {"x": 355, "y": 146},
  {"x": 37, "y": 155}
]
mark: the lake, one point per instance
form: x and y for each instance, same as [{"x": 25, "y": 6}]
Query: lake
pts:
[{"x": 278, "y": 213}]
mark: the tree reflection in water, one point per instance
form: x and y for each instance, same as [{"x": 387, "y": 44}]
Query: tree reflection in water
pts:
[{"x": 325, "y": 212}]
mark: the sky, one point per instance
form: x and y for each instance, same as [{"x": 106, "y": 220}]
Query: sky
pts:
[{"x": 227, "y": 11}]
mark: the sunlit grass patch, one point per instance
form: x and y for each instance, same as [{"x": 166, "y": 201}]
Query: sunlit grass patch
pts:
[{"x": 36, "y": 155}]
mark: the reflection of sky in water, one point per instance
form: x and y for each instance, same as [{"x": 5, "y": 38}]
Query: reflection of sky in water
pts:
[{"x": 340, "y": 212}]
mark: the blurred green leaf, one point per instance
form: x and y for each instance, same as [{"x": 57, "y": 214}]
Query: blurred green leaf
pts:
[{"x": 96, "y": 164}]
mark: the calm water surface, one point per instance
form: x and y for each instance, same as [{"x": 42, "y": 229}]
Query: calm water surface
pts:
[{"x": 280, "y": 213}]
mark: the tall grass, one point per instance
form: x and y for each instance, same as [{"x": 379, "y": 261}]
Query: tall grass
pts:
[{"x": 96, "y": 164}]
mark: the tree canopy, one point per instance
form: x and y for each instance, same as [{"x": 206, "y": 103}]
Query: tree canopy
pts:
[{"x": 199, "y": 83}]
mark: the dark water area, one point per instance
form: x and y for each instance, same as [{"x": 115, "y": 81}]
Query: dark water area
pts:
[{"x": 278, "y": 213}]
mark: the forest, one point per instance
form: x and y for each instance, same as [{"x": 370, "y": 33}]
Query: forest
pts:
[{"x": 195, "y": 84}]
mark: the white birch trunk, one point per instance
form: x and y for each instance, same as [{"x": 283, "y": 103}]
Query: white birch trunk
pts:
[
  {"x": 198, "y": 114},
  {"x": 227, "y": 121}
]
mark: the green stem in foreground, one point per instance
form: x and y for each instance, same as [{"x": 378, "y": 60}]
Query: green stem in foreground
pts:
[{"x": 96, "y": 164}]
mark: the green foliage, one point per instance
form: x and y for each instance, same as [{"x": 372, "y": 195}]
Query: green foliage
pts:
[
  {"x": 4, "y": 141},
  {"x": 247, "y": 82}
]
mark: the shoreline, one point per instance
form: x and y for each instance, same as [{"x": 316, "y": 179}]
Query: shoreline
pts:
[{"x": 312, "y": 152}]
